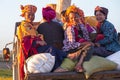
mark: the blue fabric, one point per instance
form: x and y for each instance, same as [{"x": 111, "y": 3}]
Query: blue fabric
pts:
[
  {"x": 59, "y": 55},
  {"x": 101, "y": 51},
  {"x": 110, "y": 42}
]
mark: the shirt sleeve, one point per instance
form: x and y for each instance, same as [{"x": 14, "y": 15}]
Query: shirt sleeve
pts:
[{"x": 108, "y": 33}]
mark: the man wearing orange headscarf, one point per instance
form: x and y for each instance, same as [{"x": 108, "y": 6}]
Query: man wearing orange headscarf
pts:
[
  {"x": 26, "y": 34},
  {"x": 28, "y": 12},
  {"x": 28, "y": 8}
]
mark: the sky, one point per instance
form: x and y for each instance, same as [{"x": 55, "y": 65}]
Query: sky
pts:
[{"x": 10, "y": 14}]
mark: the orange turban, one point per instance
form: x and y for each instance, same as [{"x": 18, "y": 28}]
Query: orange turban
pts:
[
  {"x": 28, "y": 8},
  {"x": 75, "y": 9}
]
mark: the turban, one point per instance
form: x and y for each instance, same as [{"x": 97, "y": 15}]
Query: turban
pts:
[
  {"x": 75, "y": 9},
  {"x": 28, "y": 8},
  {"x": 102, "y": 9},
  {"x": 48, "y": 13}
]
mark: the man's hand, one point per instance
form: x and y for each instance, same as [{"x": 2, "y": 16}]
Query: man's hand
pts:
[
  {"x": 42, "y": 43},
  {"x": 97, "y": 44}
]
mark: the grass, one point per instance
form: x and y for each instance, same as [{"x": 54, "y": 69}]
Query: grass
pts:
[{"x": 5, "y": 74}]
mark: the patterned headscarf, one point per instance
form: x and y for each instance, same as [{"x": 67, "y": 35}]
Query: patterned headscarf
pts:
[
  {"x": 101, "y": 9},
  {"x": 48, "y": 13},
  {"x": 28, "y": 8},
  {"x": 75, "y": 9}
]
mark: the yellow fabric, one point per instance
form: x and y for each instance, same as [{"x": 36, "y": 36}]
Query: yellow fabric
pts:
[
  {"x": 25, "y": 29},
  {"x": 91, "y": 20},
  {"x": 28, "y": 8},
  {"x": 97, "y": 64}
]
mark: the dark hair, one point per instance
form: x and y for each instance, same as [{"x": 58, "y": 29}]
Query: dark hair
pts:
[
  {"x": 63, "y": 13},
  {"x": 7, "y": 51}
]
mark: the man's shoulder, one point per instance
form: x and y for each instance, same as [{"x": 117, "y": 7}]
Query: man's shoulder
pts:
[{"x": 57, "y": 23}]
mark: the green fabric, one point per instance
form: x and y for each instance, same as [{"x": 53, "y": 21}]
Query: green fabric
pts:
[
  {"x": 68, "y": 64},
  {"x": 96, "y": 64}
]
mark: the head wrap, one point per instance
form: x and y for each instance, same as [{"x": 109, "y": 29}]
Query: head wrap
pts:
[
  {"x": 75, "y": 9},
  {"x": 48, "y": 13},
  {"x": 101, "y": 9},
  {"x": 28, "y": 8}
]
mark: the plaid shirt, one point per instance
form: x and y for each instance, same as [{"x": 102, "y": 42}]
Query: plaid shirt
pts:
[{"x": 69, "y": 41}]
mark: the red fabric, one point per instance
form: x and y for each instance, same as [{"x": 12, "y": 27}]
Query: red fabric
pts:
[
  {"x": 21, "y": 65},
  {"x": 48, "y": 13},
  {"x": 6, "y": 56},
  {"x": 98, "y": 27},
  {"x": 77, "y": 38},
  {"x": 27, "y": 47},
  {"x": 99, "y": 37},
  {"x": 82, "y": 40}
]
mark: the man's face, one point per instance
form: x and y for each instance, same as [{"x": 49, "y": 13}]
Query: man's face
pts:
[
  {"x": 72, "y": 18},
  {"x": 29, "y": 16}
]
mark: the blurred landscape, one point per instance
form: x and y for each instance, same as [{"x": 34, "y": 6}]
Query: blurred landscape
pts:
[
  {"x": 1, "y": 55},
  {"x": 0, "y": 51},
  {"x": 5, "y": 68}
]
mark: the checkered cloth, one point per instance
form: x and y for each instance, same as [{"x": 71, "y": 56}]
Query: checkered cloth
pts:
[{"x": 69, "y": 41}]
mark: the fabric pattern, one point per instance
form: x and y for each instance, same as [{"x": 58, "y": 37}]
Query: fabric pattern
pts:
[
  {"x": 28, "y": 8},
  {"x": 69, "y": 41},
  {"x": 110, "y": 40},
  {"x": 25, "y": 29}
]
